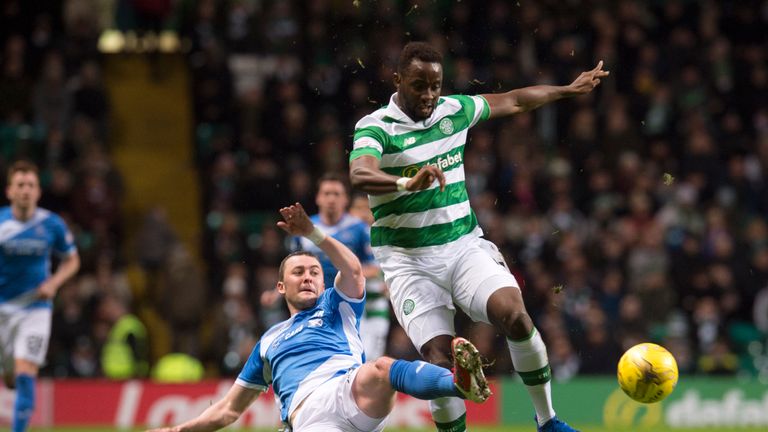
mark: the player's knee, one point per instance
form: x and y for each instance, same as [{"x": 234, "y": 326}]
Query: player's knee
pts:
[
  {"x": 437, "y": 355},
  {"x": 383, "y": 365},
  {"x": 516, "y": 324}
]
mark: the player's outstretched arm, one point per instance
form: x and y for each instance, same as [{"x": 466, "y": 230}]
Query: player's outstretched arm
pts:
[
  {"x": 530, "y": 98},
  {"x": 67, "y": 268},
  {"x": 350, "y": 280},
  {"x": 365, "y": 175},
  {"x": 221, "y": 414}
]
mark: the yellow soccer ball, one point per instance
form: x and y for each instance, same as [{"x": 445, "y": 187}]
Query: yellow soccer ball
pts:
[{"x": 647, "y": 373}]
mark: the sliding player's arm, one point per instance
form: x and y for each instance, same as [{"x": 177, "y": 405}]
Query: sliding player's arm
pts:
[
  {"x": 221, "y": 414},
  {"x": 350, "y": 280}
]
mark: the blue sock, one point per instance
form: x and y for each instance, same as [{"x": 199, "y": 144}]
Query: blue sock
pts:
[
  {"x": 422, "y": 380},
  {"x": 25, "y": 402}
]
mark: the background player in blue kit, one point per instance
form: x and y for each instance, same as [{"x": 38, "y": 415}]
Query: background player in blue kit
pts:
[
  {"x": 314, "y": 360},
  {"x": 28, "y": 236},
  {"x": 332, "y": 201}
]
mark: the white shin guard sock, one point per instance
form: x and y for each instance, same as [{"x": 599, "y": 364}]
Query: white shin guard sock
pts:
[
  {"x": 449, "y": 414},
  {"x": 529, "y": 356}
]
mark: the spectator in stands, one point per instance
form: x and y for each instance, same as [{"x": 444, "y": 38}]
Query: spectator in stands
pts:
[{"x": 125, "y": 354}]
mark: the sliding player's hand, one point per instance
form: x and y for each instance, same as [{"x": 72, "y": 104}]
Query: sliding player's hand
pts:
[
  {"x": 295, "y": 220},
  {"x": 425, "y": 177}
]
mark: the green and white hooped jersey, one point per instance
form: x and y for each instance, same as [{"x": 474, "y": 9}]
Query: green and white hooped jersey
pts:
[{"x": 409, "y": 221}]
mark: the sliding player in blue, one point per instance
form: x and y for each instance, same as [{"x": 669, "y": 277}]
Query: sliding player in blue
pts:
[{"x": 314, "y": 360}]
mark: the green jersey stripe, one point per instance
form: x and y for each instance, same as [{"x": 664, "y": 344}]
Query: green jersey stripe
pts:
[
  {"x": 486, "y": 110},
  {"x": 376, "y": 313},
  {"x": 422, "y": 237},
  {"x": 437, "y": 132},
  {"x": 423, "y": 200},
  {"x": 435, "y": 216},
  {"x": 364, "y": 151},
  {"x": 451, "y": 177}
]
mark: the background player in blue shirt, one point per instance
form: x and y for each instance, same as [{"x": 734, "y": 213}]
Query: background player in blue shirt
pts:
[
  {"x": 28, "y": 237},
  {"x": 314, "y": 360}
]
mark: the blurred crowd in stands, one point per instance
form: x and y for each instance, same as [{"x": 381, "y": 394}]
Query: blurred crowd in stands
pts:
[{"x": 637, "y": 214}]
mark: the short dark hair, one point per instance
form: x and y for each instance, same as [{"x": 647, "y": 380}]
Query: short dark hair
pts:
[
  {"x": 22, "y": 166},
  {"x": 420, "y": 51},
  {"x": 334, "y": 177},
  {"x": 280, "y": 276}
]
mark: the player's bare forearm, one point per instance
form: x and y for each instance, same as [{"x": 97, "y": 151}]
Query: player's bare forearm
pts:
[
  {"x": 351, "y": 281},
  {"x": 525, "y": 99},
  {"x": 530, "y": 98},
  {"x": 371, "y": 271},
  {"x": 212, "y": 419},
  {"x": 219, "y": 415},
  {"x": 67, "y": 268},
  {"x": 365, "y": 175}
]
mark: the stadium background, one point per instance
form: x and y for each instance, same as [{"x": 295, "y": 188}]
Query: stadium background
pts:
[{"x": 169, "y": 132}]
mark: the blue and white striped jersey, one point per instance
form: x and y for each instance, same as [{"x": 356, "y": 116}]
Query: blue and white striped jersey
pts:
[
  {"x": 25, "y": 252},
  {"x": 352, "y": 232},
  {"x": 298, "y": 355}
]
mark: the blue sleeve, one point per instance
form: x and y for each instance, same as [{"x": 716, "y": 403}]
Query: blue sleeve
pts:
[
  {"x": 63, "y": 240},
  {"x": 366, "y": 253},
  {"x": 336, "y": 297},
  {"x": 252, "y": 375},
  {"x": 296, "y": 244}
]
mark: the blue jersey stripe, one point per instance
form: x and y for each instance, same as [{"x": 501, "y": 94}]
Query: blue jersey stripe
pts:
[{"x": 25, "y": 253}]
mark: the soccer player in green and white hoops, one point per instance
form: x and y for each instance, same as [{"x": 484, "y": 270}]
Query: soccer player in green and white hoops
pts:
[{"x": 408, "y": 156}]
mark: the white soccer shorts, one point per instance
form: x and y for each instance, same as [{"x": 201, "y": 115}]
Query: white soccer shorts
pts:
[
  {"x": 24, "y": 334},
  {"x": 424, "y": 289},
  {"x": 332, "y": 408}
]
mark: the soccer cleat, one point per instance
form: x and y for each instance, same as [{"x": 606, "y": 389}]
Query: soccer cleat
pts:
[
  {"x": 555, "y": 425},
  {"x": 468, "y": 376}
]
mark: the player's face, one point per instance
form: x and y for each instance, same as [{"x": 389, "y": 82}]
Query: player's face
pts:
[
  {"x": 419, "y": 87},
  {"x": 23, "y": 190},
  {"x": 302, "y": 282},
  {"x": 332, "y": 198}
]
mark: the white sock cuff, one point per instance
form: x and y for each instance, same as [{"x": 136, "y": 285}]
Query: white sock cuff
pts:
[{"x": 447, "y": 409}]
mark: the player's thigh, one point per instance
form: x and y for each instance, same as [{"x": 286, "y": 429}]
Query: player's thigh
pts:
[
  {"x": 423, "y": 308},
  {"x": 371, "y": 390},
  {"x": 7, "y": 332},
  {"x": 32, "y": 335},
  {"x": 478, "y": 273},
  {"x": 332, "y": 407}
]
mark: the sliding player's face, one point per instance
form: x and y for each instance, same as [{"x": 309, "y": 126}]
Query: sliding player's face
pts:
[
  {"x": 418, "y": 88},
  {"x": 23, "y": 190},
  {"x": 302, "y": 282}
]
